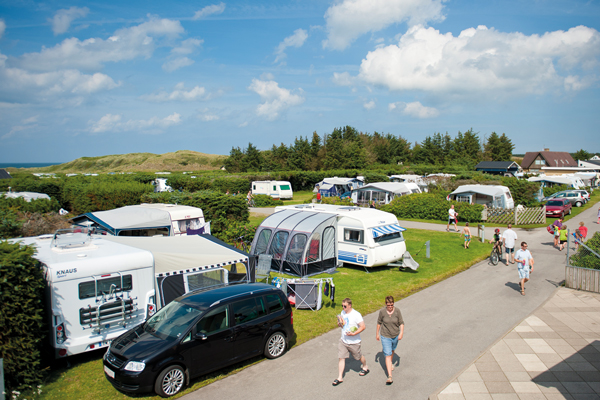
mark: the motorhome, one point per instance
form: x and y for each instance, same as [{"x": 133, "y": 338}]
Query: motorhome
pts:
[
  {"x": 382, "y": 192},
  {"x": 146, "y": 220},
  {"x": 365, "y": 236},
  {"x": 492, "y": 196},
  {"x": 276, "y": 189},
  {"x": 98, "y": 287}
]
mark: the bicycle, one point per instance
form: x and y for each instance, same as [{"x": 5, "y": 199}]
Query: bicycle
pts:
[
  {"x": 251, "y": 203},
  {"x": 496, "y": 254},
  {"x": 240, "y": 244}
]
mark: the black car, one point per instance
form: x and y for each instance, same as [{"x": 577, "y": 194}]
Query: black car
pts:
[{"x": 198, "y": 333}]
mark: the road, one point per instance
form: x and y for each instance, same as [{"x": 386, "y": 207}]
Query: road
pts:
[{"x": 447, "y": 326}]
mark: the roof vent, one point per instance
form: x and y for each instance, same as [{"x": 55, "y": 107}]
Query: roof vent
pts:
[{"x": 71, "y": 238}]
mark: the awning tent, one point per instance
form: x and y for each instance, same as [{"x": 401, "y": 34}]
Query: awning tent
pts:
[
  {"x": 126, "y": 218},
  {"x": 555, "y": 180},
  {"x": 481, "y": 194},
  {"x": 302, "y": 243},
  {"x": 383, "y": 192},
  {"x": 336, "y": 186},
  {"x": 185, "y": 263}
]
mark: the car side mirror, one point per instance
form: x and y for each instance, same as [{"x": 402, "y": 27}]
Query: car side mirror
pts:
[{"x": 201, "y": 336}]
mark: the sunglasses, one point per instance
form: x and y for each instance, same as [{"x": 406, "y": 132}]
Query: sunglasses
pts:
[{"x": 344, "y": 306}]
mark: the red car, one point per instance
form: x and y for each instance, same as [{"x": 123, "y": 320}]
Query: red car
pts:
[{"x": 558, "y": 208}]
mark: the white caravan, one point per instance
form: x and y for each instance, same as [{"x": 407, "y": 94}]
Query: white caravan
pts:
[
  {"x": 382, "y": 192},
  {"x": 275, "y": 189},
  {"x": 100, "y": 286},
  {"x": 160, "y": 185},
  {"x": 146, "y": 220},
  {"x": 365, "y": 236},
  {"x": 493, "y": 196}
]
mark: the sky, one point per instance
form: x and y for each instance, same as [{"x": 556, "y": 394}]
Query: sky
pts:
[{"x": 85, "y": 79}]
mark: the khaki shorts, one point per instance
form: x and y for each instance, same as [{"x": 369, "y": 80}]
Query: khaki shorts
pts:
[{"x": 345, "y": 349}]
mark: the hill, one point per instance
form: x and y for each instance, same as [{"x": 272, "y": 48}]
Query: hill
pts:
[{"x": 182, "y": 160}]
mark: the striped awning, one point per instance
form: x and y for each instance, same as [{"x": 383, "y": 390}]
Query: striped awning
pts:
[{"x": 387, "y": 229}]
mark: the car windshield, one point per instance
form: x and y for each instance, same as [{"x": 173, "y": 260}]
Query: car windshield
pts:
[
  {"x": 554, "y": 203},
  {"x": 172, "y": 320}
]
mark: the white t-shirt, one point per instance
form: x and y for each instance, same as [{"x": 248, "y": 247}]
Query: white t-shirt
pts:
[
  {"x": 524, "y": 256},
  {"x": 452, "y": 213},
  {"x": 351, "y": 320},
  {"x": 509, "y": 238}
]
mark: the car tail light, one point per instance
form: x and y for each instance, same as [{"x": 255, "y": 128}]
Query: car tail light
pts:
[
  {"x": 150, "y": 310},
  {"x": 62, "y": 352},
  {"x": 60, "y": 333}
]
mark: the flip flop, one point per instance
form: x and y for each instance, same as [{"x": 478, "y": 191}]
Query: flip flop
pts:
[
  {"x": 523, "y": 292},
  {"x": 364, "y": 372},
  {"x": 389, "y": 381},
  {"x": 337, "y": 382}
]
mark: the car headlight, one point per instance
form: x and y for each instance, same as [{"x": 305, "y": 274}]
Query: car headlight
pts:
[{"x": 135, "y": 366}]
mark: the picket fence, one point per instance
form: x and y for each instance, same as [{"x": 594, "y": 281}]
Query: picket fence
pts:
[{"x": 515, "y": 216}]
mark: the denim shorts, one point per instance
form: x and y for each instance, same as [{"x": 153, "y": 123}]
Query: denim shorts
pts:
[{"x": 389, "y": 345}]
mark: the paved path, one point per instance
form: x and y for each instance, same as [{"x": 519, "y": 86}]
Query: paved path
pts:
[{"x": 448, "y": 326}]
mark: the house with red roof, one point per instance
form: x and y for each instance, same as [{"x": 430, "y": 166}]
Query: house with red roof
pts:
[{"x": 548, "y": 162}]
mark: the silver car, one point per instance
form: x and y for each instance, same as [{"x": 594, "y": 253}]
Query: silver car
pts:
[{"x": 575, "y": 197}]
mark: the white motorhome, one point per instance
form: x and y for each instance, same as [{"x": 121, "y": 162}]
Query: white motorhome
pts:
[
  {"x": 146, "y": 220},
  {"x": 365, "y": 236},
  {"x": 100, "y": 286},
  {"x": 493, "y": 196},
  {"x": 275, "y": 189}
]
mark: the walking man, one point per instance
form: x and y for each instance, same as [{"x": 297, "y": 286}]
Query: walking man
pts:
[
  {"x": 509, "y": 238},
  {"x": 452, "y": 217},
  {"x": 524, "y": 261},
  {"x": 352, "y": 325}
]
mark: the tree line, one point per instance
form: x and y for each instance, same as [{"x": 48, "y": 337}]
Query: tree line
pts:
[{"x": 347, "y": 148}]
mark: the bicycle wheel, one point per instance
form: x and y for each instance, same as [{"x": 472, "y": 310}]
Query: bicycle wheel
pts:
[{"x": 494, "y": 257}]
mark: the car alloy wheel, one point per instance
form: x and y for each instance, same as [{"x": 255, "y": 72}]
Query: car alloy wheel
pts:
[
  {"x": 578, "y": 204},
  {"x": 275, "y": 345},
  {"x": 170, "y": 381}
]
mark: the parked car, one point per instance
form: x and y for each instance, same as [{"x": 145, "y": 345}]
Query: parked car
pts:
[
  {"x": 584, "y": 193},
  {"x": 575, "y": 197},
  {"x": 558, "y": 208},
  {"x": 198, "y": 333}
]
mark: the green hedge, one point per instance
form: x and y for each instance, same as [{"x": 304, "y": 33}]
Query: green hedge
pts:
[
  {"x": 38, "y": 205},
  {"x": 99, "y": 196},
  {"x": 554, "y": 189},
  {"x": 10, "y": 226},
  {"x": 432, "y": 206},
  {"x": 23, "y": 331},
  {"x": 583, "y": 257}
]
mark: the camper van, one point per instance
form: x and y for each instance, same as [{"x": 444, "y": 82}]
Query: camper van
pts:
[
  {"x": 491, "y": 196},
  {"x": 98, "y": 287},
  {"x": 276, "y": 189},
  {"x": 146, "y": 220},
  {"x": 365, "y": 236}
]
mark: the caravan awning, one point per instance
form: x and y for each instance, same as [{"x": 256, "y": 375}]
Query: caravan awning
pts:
[{"x": 387, "y": 229}]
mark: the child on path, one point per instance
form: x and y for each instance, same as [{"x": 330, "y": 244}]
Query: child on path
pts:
[
  {"x": 598, "y": 216},
  {"x": 467, "y": 232},
  {"x": 563, "y": 237},
  {"x": 580, "y": 234}
]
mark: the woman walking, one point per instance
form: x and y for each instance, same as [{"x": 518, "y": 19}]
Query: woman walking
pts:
[{"x": 390, "y": 329}]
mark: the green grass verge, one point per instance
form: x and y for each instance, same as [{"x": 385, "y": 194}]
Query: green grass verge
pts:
[{"x": 85, "y": 377}]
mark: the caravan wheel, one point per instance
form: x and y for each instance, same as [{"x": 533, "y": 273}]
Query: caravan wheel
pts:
[{"x": 170, "y": 381}]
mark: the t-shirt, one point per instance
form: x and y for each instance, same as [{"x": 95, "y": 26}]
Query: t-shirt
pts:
[
  {"x": 390, "y": 324},
  {"x": 351, "y": 321},
  {"x": 563, "y": 234},
  {"x": 583, "y": 230},
  {"x": 557, "y": 223},
  {"x": 524, "y": 256},
  {"x": 451, "y": 213},
  {"x": 509, "y": 238},
  {"x": 497, "y": 237}
]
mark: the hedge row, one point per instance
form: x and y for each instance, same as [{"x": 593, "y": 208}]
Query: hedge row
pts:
[
  {"x": 38, "y": 205},
  {"x": 432, "y": 206},
  {"x": 23, "y": 332},
  {"x": 100, "y": 196},
  {"x": 584, "y": 258}
]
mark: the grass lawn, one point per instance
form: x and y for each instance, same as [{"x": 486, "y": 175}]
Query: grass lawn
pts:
[
  {"x": 299, "y": 197},
  {"x": 85, "y": 377}
]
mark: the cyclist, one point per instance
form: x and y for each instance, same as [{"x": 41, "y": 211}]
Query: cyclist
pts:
[
  {"x": 249, "y": 198},
  {"x": 497, "y": 240}
]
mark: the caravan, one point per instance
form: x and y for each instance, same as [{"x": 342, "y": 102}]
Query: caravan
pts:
[
  {"x": 365, "y": 236},
  {"x": 382, "y": 192},
  {"x": 492, "y": 196},
  {"x": 341, "y": 187},
  {"x": 276, "y": 189},
  {"x": 146, "y": 220},
  {"x": 98, "y": 287}
]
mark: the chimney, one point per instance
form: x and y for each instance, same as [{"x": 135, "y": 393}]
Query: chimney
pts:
[{"x": 546, "y": 149}]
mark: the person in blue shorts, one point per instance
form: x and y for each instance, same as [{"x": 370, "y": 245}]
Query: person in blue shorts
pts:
[{"x": 390, "y": 329}]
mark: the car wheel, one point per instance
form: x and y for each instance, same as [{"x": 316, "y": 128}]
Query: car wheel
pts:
[
  {"x": 276, "y": 345},
  {"x": 578, "y": 204},
  {"x": 170, "y": 381}
]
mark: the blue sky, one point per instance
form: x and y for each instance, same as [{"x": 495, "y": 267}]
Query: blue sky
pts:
[{"x": 86, "y": 78}]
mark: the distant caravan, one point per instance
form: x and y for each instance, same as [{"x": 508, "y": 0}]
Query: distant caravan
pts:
[{"x": 276, "y": 189}]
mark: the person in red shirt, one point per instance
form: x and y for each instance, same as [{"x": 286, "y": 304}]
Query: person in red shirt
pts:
[{"x": 580, "y": 234}]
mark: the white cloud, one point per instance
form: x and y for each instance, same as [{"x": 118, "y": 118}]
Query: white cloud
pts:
[
  {"x": 207, "y": 116},
  {"x": 26, "y": 124},
  {"x": 2, "y": 27},
  {"x": 180, "y": 93},
  {"x": 348, "y": 19},
  {"x": 295, "y": 40},
  {"x": 369, "y": 105},
  {"x": 63, "y": 18},
  {"x": 124, "y": 44},
  {"x": 275, "y": 99},
  {"x": 414, "y": 109},
  {"x": 209, "y": 10},
  {"x": 485, "y": 61},
  {"x": 112, "y": 122},
  {"x": 177, "y": 63},
  {"x": 187, "y": 46},
  {"x": 343, "y": 79}
]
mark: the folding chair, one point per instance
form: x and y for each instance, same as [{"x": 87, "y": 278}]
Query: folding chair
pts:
[{"x": 263, "y": 268}]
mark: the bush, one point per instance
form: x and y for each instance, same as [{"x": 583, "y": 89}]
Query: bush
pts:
[
  {"x": 432, "y": 206},
  {"x": 10, "y": 226},
  {"x": 263, "y": 200},
  {"x": 584, "y": 258},
  {"x": 21, "y": 316},
  {"x": 548, "y": 191},
  {"x": 38, "y": 205},
  {"x": 36, "y": 224},
  {"x": 103, "y": 195},
  {"x": 523, "y": 191},
  {"x": 234, "y": 230}
]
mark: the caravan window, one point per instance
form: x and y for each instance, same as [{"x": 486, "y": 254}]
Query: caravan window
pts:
[
  {"x": 284, "y": 187},
  {"x": 297, "y": 245},
  {"x": 274, "y": 188},
  {"x": 204, "y": 279},
  {"x": 390, "y": 236},
  {"x": 262, "y": 241},
  {"x": 278, "y": 244},
  {"x": 465, "y": 198},
  {"x": 329, "y": 242},
  {"x": 186, "y": 224},
  {"x": 352, "y": 235},
  {"x": 313, "y": 249},
  {"x": 105, "y": 286}
]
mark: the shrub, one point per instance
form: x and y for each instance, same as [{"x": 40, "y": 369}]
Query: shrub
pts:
[
  {"x": 235, "y": 229},
  {"x": 21, "y": 316},
  {"x": 38, "y": 205},
  {"x": 523, "y": 191},
  {"x": 263, "y": 200},
  {"x": 102, "y": 195},
  {"x": 10, "y": 226},
  {"x": 554, "y": 189},
  {"x": 586, "y": 259},
  {"x": 36, "y": 224},
  {"x": 432, "y": 206}
]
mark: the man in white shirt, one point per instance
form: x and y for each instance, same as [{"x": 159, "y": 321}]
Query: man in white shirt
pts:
[
  {"x": 452, "y": 217},
  {"x": 352, "y": 325},
  {"x": 509, "y": 238},
  {"x": 524, "y": 261}
]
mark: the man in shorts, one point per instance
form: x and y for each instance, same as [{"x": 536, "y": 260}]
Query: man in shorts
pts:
[
  {"x": 452, "y": 217},
  {"x": 509, "y": 238},
  {"x": 352, "y": 325},
  {"x": 524, "y": 261}
]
